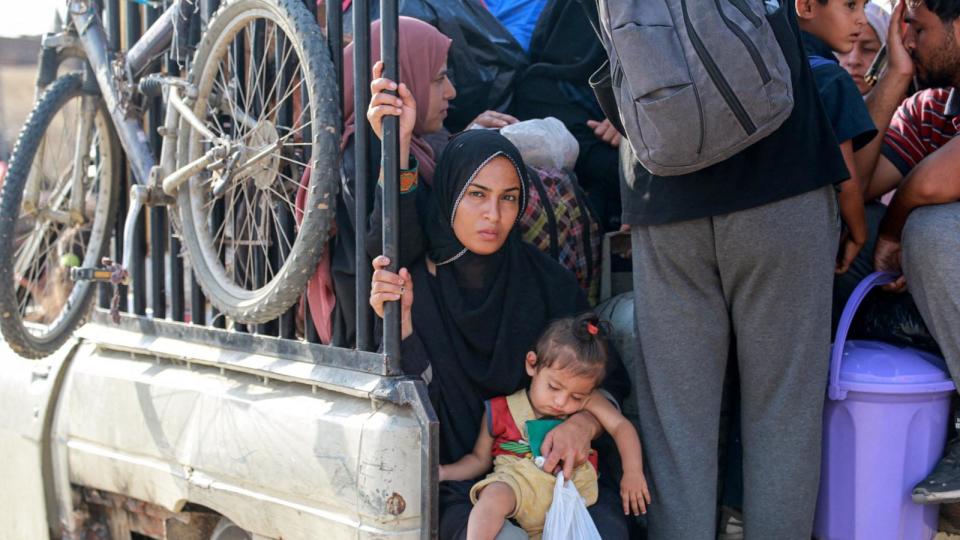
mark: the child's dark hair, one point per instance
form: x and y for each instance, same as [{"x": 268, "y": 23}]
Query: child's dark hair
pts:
[{"x": 578, "y": 344}]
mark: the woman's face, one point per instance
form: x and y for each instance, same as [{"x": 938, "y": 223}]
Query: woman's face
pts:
[
  {"x": 441, "y": 93},
  {"x": 489, "y": 207},
  {"x": 859, "y": 59}
]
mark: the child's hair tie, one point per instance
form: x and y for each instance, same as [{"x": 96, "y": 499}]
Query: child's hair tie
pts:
[{"x": 592, "y": 329}]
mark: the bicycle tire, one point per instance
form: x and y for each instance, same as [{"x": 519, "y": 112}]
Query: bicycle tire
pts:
[
  {"x": 19, "y": 300},
  {"x": 216, "y": 271}
]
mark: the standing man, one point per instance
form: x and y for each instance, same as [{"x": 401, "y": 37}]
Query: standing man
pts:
[{"x": 740, "y": 254}]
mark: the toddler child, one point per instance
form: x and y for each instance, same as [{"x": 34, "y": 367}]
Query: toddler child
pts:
[{"x": 566, "y": 369}]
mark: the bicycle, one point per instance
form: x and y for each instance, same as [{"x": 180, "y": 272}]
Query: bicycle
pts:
[{"x": 250, "y": 149}]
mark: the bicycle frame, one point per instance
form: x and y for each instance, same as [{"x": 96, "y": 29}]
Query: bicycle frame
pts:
[{"x": 117, "y": 81}]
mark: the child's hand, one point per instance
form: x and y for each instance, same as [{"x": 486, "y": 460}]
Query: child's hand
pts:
[
  {"x": 443, "y": 473},
  {"x": 634, "y": 493},
  {"x": 853, "y": 214}
]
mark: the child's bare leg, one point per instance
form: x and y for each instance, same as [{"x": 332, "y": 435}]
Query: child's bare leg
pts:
[{"x": 494, "y": 503}]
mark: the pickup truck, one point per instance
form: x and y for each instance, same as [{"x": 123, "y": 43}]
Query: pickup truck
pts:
[{"x": 157, "y": 429}]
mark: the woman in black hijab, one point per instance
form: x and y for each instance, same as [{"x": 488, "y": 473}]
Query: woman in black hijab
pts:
[{"x": 483, "y": 296}]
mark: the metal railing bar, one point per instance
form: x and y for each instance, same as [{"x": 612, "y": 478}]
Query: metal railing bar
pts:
[
  {"x": 158, "y": 218},
  {"x": 361, "y": 97},
  {"x": 112, "y": 24},
  {"x": 391, "y": 180},
  {"x": 133, "y": 32}
]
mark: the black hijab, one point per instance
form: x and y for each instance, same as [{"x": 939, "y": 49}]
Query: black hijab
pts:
[{"x": 478, "y": 317}]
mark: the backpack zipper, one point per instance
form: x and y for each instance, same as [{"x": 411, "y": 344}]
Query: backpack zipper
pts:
[
  {"x": 722, "y": 85},
  {"x": 742, "y": 7},
  {"x": 751, "y": 48}
]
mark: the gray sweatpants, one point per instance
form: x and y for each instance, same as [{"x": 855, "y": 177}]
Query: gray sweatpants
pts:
[
  {"x": 762, "y": 277},
  {"x": 931, "y": 264}
]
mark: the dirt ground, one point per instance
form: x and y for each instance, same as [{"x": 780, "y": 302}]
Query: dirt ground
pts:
[{"x": 16, "y": 100}]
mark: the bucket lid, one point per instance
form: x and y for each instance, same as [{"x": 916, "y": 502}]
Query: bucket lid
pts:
[{"x": 883, "y": 364}]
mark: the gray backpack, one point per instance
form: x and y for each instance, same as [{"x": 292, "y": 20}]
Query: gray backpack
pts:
[{"x": 695, "y": 81}]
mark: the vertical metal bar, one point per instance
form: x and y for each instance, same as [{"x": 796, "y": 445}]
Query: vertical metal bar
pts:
[
  {"x": 158, "y": 217},
  {"x": 243, "y": 236},
  {"x": 133, "y": 31},
  {"x": 361, "y": 97},
  {"x": 391, "y": 180},
  {"x": 130, "y": 23},
  {"x": 177, "y": 277},
  {"x": 217, "y": 215},
  {"x": 174, "y": 261},
  {"x": 335, "y": 42},
  {"x": 198, "y": 303},
  {"x": 284, "y": 70},
  {"x": 207, "y": 9},
  {"x": 260, "y": 70},
  {"x": 414, "y": 394},
  {"x": 112, "y": 23},
  {"x": 309, "y": 330}
]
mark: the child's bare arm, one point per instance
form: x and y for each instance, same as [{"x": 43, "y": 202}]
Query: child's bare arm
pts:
[
  {"x": 622, "y": 431},
  {"x": 475, "y": 463},
  {"x": 633, "y": 486},
  {"x": 852, "y": 212}
]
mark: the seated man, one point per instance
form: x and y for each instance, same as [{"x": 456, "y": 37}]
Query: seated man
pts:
[{"x": 922, "y": 156}]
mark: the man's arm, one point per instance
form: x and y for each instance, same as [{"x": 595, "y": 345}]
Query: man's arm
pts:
[
  {"x": 886, "y": 177},
  {"x": 886, "y": 96},
  {"x": 935, "y": 180}
]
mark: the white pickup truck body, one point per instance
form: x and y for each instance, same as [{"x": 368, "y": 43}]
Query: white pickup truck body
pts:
[{"x": 151, "y": 427}]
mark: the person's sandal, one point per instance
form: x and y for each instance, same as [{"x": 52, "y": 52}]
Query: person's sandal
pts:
[{"x": 943, "y": 484}]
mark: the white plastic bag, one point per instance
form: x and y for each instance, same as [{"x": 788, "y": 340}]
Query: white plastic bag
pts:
[
  {"x": 544, "y": 143},
  {"x": 568, "y": 518}
]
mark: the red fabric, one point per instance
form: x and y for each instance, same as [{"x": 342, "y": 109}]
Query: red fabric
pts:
[
  {"x": 502, "y": 427},
  {"x": 422, "y": 52},
  {"x": 920, "y": 127},
  {"x": 320, "y": 295}
]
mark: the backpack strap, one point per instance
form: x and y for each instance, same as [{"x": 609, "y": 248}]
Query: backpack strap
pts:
[{"x": 819, "y": 61}]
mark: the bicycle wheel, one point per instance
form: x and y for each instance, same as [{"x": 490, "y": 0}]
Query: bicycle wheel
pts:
[
  {"x": 264, "y": 83},
  {"x": 48, "y": 226}
]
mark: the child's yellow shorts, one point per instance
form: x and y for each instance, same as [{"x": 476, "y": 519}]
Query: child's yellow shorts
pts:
[{"x": 533, "y": 489}]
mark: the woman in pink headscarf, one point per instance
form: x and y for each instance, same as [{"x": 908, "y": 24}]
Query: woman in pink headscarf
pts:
[{"x": 422, "y": 55}]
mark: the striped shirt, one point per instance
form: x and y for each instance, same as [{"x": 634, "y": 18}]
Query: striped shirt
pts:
[{"x": 922, "y": 124}]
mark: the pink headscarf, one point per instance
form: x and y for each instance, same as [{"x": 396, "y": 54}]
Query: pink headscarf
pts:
[{"x": 422, "y": 53}]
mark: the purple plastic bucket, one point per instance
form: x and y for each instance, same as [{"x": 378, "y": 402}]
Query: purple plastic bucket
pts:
[{"x": 884, "y": 428}]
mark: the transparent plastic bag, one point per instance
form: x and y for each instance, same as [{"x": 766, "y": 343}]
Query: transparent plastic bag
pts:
[
  {"x": 544, "y": 143},
  {"x": 568, "y": 518}
]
